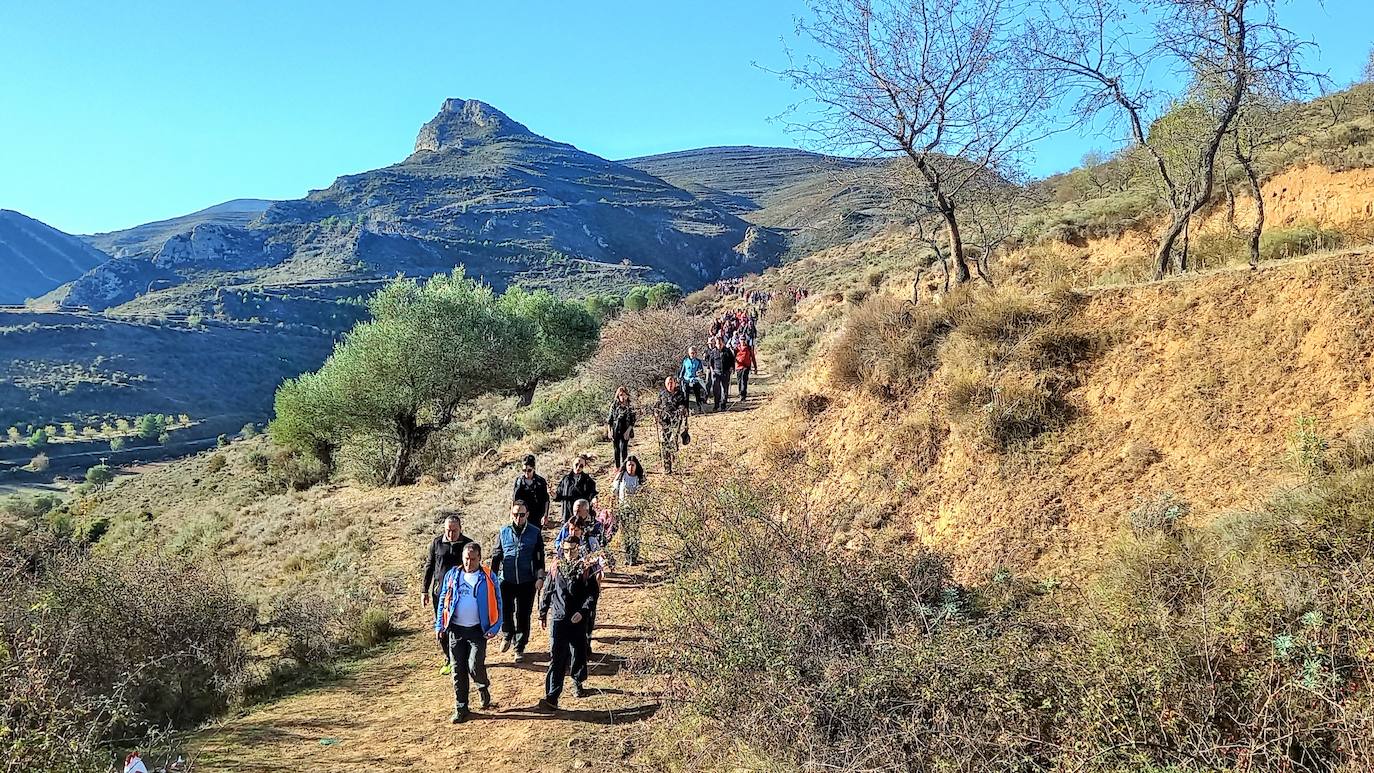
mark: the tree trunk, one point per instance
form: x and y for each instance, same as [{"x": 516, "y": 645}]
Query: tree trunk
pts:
[
  {"x": 409, "y": 439},
  {"x": 1258, "y": 228},
  {"x": 1164, "y": 255},
  {"x": 1183, "y": 253},
  {"x": 956, "y": 246},
  {"x": 401, "y": 464},
  {"x": 526, "y": 392}
]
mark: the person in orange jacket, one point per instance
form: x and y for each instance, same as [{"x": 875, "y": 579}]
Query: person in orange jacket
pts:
[{"x": 745, "y": 363}]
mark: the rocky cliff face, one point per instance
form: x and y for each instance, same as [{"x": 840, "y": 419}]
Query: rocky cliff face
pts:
[{"x": 463, "y": 122}]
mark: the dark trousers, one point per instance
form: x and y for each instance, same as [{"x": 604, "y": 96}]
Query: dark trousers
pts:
[
  {"x": 517, "y": 599},
  {"x": 743, "y": 383},
  {"x": 621, "y": 443},
  {"x": 567, "y": 651},
  {"x": 443, "y": 640},
  {"x": 697, "y": 388},
  {"x": 720, "y": 390},
  {"x": 468, "y": 647}
]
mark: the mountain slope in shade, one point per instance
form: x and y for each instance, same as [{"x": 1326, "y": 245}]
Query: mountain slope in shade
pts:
[
  {"x": 149, "y": 237},
  {"x": 36, "y": 258}
]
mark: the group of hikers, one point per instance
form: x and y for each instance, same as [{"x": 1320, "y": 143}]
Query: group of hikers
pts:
[
  {"x": 736, "y": 288},
  {"x": 473, "y": 601}
]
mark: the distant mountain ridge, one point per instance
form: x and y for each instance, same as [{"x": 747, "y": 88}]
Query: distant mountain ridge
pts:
[
  {"x": 149, "y": 237},
  {"x": 815, "y": 200},
  {"x": 35, "y": 258},
  {"x": 480, "y": 191}
]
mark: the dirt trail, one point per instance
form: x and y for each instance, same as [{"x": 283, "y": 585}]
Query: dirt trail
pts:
[{"x": 391, "y": 711}]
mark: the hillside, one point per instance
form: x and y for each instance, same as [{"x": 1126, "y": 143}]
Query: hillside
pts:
[
  {"x": 88, "y": 369},
  {"x": 37, "y": 258},
  {"x": 818, "y": 201},
  {"x": 149, "y": 237}
]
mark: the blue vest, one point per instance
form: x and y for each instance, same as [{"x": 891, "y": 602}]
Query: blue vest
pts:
[{"x": 517, "y": 553}]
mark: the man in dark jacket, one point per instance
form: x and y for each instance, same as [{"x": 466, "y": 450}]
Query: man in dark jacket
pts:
[
  {"x": 531, "y": 488},
  {"x": 576, "y": 485},
  {"x": 445, "y": 552},
  {"x": 519, "y": 561},
  {"x": 567, "y": 599},
  {"x": 721, "y": 362}
]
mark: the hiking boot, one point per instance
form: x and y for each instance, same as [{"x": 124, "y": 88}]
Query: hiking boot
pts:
[
  {"x": 485, "y": 695},
  {"x": 519, "y": 657},
  {"x": 505, "y": 645},
  {"x": 545, "y": 704},
  {"x": 578, "y": 690},
  {"x": 459, "y": 716}
]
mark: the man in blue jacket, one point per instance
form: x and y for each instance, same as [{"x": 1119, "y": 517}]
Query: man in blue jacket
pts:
[
  {"x": 519, "y": 560},
  {"x": 469, "y": 614},
  {"x": 692, "y": 372}
]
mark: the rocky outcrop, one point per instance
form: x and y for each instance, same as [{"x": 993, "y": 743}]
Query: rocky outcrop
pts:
[
  {"x": 463, "y": 122},
  {"x": 116, "y": 281},
  {"x": 211, "y": 246}
]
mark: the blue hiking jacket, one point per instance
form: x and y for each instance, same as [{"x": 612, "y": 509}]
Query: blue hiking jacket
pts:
[{"x": 488, "y": 602}]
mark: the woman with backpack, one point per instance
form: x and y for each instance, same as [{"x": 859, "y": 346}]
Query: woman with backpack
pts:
[{"x": 620, "y": 425}]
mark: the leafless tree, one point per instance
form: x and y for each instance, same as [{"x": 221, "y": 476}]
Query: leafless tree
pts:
[
  {"x": 940, "y": 83},
  {"x": 1221, "y": 48}
]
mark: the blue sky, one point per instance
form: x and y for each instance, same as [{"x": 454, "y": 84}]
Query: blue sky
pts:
[{"x": 114, "y": 114}]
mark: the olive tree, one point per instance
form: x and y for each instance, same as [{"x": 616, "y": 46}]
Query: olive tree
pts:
[
  {"x": 398, "y": 378},
  {"x": 562, "y": 333}
]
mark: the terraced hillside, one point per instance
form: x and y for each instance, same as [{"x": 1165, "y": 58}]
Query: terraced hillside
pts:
[{"x": 818, "y": 201}]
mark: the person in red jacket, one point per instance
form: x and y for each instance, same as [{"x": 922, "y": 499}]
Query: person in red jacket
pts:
[{"x": 745, "y": 363}]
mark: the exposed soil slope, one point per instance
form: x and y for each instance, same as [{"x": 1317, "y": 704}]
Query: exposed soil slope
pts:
[{"x": 1196, "y": 391}]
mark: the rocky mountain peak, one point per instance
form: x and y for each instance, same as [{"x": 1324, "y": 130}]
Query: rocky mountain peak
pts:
[{"x": 461, "y": 122}]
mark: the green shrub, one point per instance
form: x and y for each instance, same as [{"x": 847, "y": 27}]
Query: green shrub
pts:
[
  {"x": 257, "y": 461},
  {"x": 222, "y": 441},
  {"x": 99, "y": 475},
  {"x": 373, "y": 627},
  {"x": 579, "y": 406},
  {"x": 152, "y": 642},
  {"x": 37, "y": 440},
  {"x": 216, "y": 463},
  {"x": 150, "y": 425},
  {"x": 1278, "y": 243},
  {"x": 293, "y": 470},
  {"x": 28, "y": 507},
  {"x": 116, "y": 443},
  {"x": 1306, "y": 447}
]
